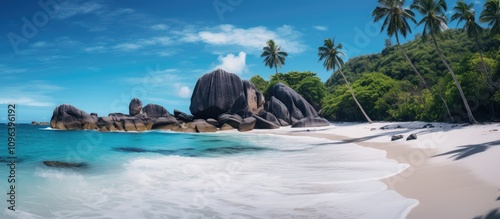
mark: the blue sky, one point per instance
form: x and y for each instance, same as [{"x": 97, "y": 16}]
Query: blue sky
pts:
[{"x": 99, "y": 54}]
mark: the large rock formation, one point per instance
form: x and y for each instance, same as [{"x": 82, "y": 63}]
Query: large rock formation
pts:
[
  {"x": 67, "y": 117},
  {"x": 215, "y": 94},
  {"x": 287, "y": 105},
  {"x": 222, "y": 92},
  {"x": 155, "y": 111},
  {"x": 220, "y": 101},
  {"x": 135, "y": 107},
  {"x": 254, "y": 99}
]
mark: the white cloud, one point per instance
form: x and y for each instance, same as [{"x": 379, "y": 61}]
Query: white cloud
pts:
[
  {"x": 71, "y": 8},
  {"x": 477, "y": 2},
  {"x": 252, "y": 39},
  {"x": 320, "y": 28},
  {"x": 5, "y": 70},
  {"x": 159, "y": 27},
  {"x": 182, "y": 91},
  {"x": 141, "y": 43},
  {"x": 232, "y": 63},
  {"x": 128, "y": 46},
  {"x": 155, "y": 78},
  {"x": 31, "y": 93},
  {"x": 40, "y": 44},
  {"x": 25, "y": 101},
  {"x": 93, "y": 49},
  {"x": 50, "y": 58}
]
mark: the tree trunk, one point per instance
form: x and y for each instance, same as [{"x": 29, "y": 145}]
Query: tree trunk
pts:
[
  {"x": 422, "y": 78},
  {"x": 488, "y": 76},
  {"x": 354, "y": 97},
  {"x": 277, "y": 77},
  {"x": 409, "y": 61},
  {"x": 445, "y": 104},
  {"x": 472, "y": 120}
]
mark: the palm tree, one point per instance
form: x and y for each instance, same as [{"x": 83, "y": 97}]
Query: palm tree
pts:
[
  {"x": 491, "y": 15},
  {"x": 274, "y": 57},
  {"x": 434, "y": 20},
  {"x": 331, "y": 54},
  {"x": 465, "y": 12},
  {"x": 396, "y": 21}
]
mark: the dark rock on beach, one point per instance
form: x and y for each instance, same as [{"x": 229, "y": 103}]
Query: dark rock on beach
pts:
[
  {"x": 428, "y": 126},
  {"x": 215, "y": 93},
  {"x": 247, "y": 124},
  {"x": 254, "y": 99},
  {"x": 232, "y": 120},
  {"x": 287, "y": 105},
  {"x": 396, "y": 137},
  {"x": 202, "y": 127},
  {"x": 311, "y": 122},
  {"x": 183, "y": 116},
  {"x": 262, "y": 123},
  {"x": 411, "y": 137},
  {"x": 279, "y": 110},
  {"x": 220, "y": 100}
]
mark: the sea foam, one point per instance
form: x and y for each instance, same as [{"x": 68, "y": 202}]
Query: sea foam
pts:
[{"x": 295, "y": 177}]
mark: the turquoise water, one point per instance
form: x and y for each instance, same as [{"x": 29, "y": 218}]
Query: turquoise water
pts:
[{"x": 174, "y": 175}]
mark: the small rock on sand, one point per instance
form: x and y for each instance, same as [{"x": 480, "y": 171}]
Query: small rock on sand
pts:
[{"x": 396, "y": 137}]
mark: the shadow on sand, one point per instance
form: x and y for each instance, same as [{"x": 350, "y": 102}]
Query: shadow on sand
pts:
[
  {"x": 493, "y": 214},
  {"x": 363, "y": 139},
  {"x": 469, "y": 150}
]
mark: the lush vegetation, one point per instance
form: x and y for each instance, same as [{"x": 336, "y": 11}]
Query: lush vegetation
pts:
[
  {"x": 273, "y": 56},
  {"x": 388, "y": 88},
  {"x": 407, "y": 99},
  {"x": 442, "y": 75},
  {"x": 307, "y": 84}
]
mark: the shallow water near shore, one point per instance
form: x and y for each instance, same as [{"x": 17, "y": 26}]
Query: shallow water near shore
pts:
[{"x": 221, "y": 175}]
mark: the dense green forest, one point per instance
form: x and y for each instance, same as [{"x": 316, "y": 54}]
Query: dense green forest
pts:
[{"x": 389, "y": 90}]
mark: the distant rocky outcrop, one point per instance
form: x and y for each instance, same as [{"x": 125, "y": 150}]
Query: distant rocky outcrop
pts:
[
  {"x": 135, "y": 107},
  {"x": 67, "y": 117},
  {"x": 155, "y": 111},
  {"x": 220, "y": 101},
  {"x": 39, "y": 123}
]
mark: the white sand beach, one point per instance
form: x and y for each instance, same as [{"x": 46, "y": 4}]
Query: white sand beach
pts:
[{"x": 454, "y": 168}]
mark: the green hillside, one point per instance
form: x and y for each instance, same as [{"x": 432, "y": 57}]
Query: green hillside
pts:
[{"x": 389, "y": 89}]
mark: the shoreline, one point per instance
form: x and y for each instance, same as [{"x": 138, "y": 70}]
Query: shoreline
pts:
[{"x": 445, "y": 188}]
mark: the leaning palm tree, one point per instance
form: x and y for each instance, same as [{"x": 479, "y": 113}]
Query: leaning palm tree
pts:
[
  {"x": 434, "y": 20},
  {"x": 396, "y": 21},
  {"x": 491, "y": 15},
  {"x": 274, "y": 57},
  {"x": 465, "y": 13},
  {"x": 331, "y": 54}
]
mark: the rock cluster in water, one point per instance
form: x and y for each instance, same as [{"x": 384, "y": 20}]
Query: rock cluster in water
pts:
[{"x": 220, "y": 101}]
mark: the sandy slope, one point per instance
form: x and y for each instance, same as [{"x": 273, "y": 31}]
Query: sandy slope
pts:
[{"x": 454, "y": 169}]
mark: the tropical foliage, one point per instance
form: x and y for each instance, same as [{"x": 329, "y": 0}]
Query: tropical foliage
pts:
[
  {"x": 407, "y": 100},
  {"x": 331, "y": 54},
  {"x": 455, "y": 78},
  {"x": 273, "y": 56}
]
